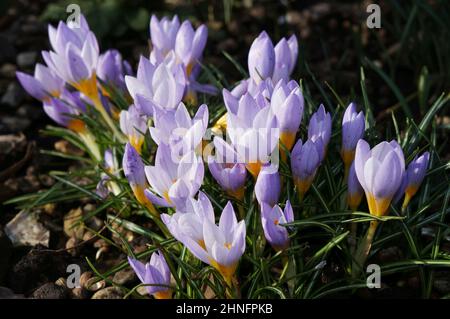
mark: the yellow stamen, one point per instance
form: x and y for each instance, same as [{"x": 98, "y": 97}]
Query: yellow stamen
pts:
[
  {"x": 227, "y": 246},
  {"x": 276, "y": 221}
]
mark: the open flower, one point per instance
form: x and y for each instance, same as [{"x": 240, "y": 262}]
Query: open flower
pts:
[
  {"x": 272, "y": 219},
  {"x": 305, "y": 160},
  {"x": 155, "y": 274},
  {"x": 179, "y": 130},
  {"x": 355, "y": 191},
  {"x": 133, "y": 168},
  {"x": 319, "y": 129},
  {"x": 268, "y": 185},
  {"x": 173, "y": 180},
  {"x": 380, "y": 172},
  {"x": 152, "y": 84},
  {"x": 134, "y": 126},
  {"x": 220, "y": 246},
  {"x": 44, "y": 85},
  {"x": 353, "y": 126}
]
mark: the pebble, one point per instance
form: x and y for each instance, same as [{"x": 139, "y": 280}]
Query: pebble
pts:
[
  {"x": 8, "y": 70},
  {"x": 50, "y": 291},
  {"x": 72, "y": 225},
  {"x": 26, "y": 59},
  {"x": 109, "y": 293},
  {"x": 124, "y": 277},
  {"x": 26, "y": 230},
  {"x": 6, "y": 293},
  {"x": 13, "y": 96}
]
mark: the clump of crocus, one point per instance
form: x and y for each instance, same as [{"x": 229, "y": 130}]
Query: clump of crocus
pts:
[
  {"x": 413, "y": 177},
  {"x": 273, "y": 219},
  {"x": 220, "y": 246},
  {"x": 152, "y": 84},
  {"x": 155, "y": 275},
  {"x": 353, "y": 126},
  {"x": 177, "y": 129},
  {"x": 319, "y": 129},
  {"x": 268, "y": 185},
  {"x": 133, "y": 168},
  {"x": 380, "y": 172},
  {"x": 134, "y": 126},
  {"x": 305, "y": 160},
  {"x": 173, "y": 179}
]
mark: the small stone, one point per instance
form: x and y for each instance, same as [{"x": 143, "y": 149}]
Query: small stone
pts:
[
  {"x": 80, "y": 293},
  {"x": 142, "y": 290},
  {"x": 6, "y": 293},
  {"x": 124, "y": 277},
  {"x": 109, "y": 293},
  {"x": 93, "y": 284},
  {"x": 61, "y": 282},
  {"x": 73, "y": 227},
  {"x": 26, "y": 230},
  {"x": 26, "y": 59},
  {"x": 84, "y": 278},
  {"x": 50, "y": 291},
  {"x": 72, "y": 246},
  {"x": 13, "y": 96},
  {"x": 14, "y": 124},
  {"x": 8, "y": 70}
]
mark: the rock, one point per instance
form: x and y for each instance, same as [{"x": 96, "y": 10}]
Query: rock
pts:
[
  {"x": 124, "y": 277},
  {"x": 6, "y": 252},
  {"x": 6, "y": 293},
  {"x": 80, "y": 293},
  {"x": 73, "y": 227},
  {"x": 93, "y": 284},
  {"x": 142, "y": 290},
  {"x": 13, "y": 96},
  {"x": 26, "y": 230},
  {"x": 14, "y": 124},
  {"x": 26, "y": 59},
  {"x": 50, "y": 291},
  {"x": 8, "y": 70},
  {"x": 12, "y": 143},
  {"x": 109, "y": 293}
]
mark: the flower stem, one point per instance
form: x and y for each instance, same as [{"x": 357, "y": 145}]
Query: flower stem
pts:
[
  {"x": 99, "y": 107},
  {"x": 364, "y": 249}
]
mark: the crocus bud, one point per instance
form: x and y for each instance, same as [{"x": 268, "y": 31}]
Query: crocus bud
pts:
[
  {"x": 133, "y": 168},
  {"x": 230, "y": 176},
  {"x": 271, "y": 217},
  {"x": 44, "y": 85},
  {"x": 163, "y": 33},
  {"x": 353, "y": 126},
  {"x": 268, "y": 186},
  {"x": 319, "y": 128},
  {"x": 261, "y": 58},
  {"x": 134, "y": 126},
  {"x": 286, "y": 52},
  {"x": 380, "y": 172},
  {"x": 415, "y": 173},
  {"x": 112, "y": 69},
  {"x": 355, "y": 192},
  {"x": 155, "y": 274},
  {"x": 305, "y": 160}
]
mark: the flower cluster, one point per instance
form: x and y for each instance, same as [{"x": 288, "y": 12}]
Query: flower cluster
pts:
[{"x": 257, "y": 142}]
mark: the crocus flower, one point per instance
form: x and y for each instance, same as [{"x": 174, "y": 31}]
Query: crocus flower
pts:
[
  {"x": 230, "y": 176},
  {"x": 133, "y": 168},
  {"x": 353, "y": 126},
  {"x": 163, "y": 34},
  {"x": 268, "y": 185},
  {"x": 305, "y": 160},
  {"x": 380, "y": 172},
  {"x": 287, "y": 105},
  {"x": 63, "y": 111},
  {"x": 413, "y": 177},
  {"x": 134, "y": 126},
  {"x": 179, "y": 130},
  {"x": 155, "y": 274},
  {"x": 105, "y": 185},
  {"x": 272, "y": 218},
  {"x": 44, "y": 85},
  {"x": 261, "y": 58},
  {"x": 286, "y": 52},
  {"x": 152, "y": 84},
  {"x": 173, "y": 180},
  {"x": 219, "y": 246},
  {"x": 112, "y": 69},
  {"x": 319, "y": 129},
  {"x": 355, "y": 192}
]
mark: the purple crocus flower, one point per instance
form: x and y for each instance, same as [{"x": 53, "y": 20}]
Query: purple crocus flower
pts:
[
  {"x": 149, "y": 89},
  {"x": 173, "y": 180},
  {"x": 353, "y": 126},
  {"x": 261, "y": 58},
  {"x": 105, "y": 186},
  {"x": 380, "y": 172},
  {"x": 286, "y": 52},
  {"x": 319, "y": 129},
  {"x": 44, "y": 85},
  {"x": 163, "y": 34},
  {"x": 305, "y": 160},
  {"x": 155, "y": 274},
  {"x": 62, "y": 110},
  {"x": 355, "y": 191},
  {"x": 133, "y": 168},
  {"x": 220, "y": 246},
  {"x": 268, "y": 185},
  {"x": 230, "y": 176},
  {"x": 112, "y": 69},
  {"x": 412, "y": 179},
  {"x": 179, "y": 130},
  {"x": 272, "y": 218},
  {"x": 134, "y": 126}
]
